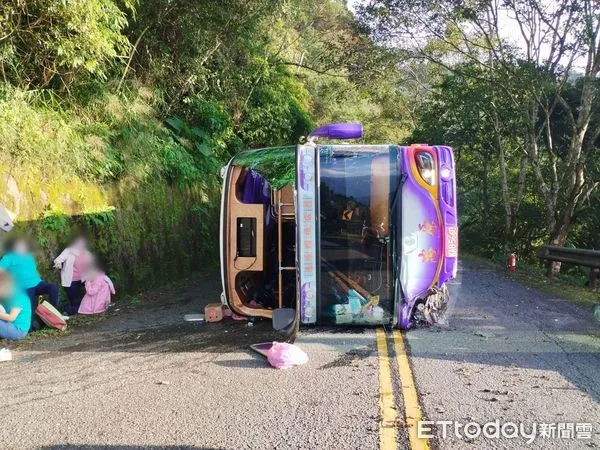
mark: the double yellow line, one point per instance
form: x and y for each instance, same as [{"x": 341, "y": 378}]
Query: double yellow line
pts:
[{"x": 388, "y": 422}]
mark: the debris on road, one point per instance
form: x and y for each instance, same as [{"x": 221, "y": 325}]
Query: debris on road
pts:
[
  {"x": 282, "y": 355},
  {"x": 213, "y": 312},
  {"x": 194, "y": 317},
  {"x": 597, "y": 312},
  {"x": 484, "y": 334},
  {"x": 494, "y": 391},
  {"x": 226, "y": 311},
  {"x": 5, "y": 355}
]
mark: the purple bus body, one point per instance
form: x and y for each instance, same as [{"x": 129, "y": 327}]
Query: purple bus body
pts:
[
  {"x": 424, "y": 226},
  {"x": 447, "y": 202},
  {"x": 428, "y": 223},
  {"x": 349, "y": 130}
]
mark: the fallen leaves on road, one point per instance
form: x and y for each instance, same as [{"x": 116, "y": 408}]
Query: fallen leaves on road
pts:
[
  {"x": 484, "y": 334},
  {"x": 494, "y": 391}
]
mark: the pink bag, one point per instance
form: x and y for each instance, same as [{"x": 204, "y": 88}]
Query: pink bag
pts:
[
  {"x": 284, "y": 356},
  {"x": 50, "y": 316}
]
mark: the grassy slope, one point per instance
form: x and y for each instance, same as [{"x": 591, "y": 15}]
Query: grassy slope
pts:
[{"x": 110, "y": 169}]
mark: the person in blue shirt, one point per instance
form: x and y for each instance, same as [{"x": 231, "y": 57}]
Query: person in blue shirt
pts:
[
  {"x": 15, "y": 309},
  {"x": 20, "y": 263}
]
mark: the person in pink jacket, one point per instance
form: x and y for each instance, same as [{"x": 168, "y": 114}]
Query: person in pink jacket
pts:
[
  {"x": 72, "y": 263},
  {"x": 98, "y": 291}
]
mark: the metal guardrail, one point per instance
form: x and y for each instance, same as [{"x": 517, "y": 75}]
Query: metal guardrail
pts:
[{"x": 578, "y": 256}]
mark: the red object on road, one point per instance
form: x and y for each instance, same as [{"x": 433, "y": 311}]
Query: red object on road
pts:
[
  {"x": 51, "y": 316},
  {"x": 512, "y": 262}
]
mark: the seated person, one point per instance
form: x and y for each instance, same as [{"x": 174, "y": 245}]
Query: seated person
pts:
[
  {"x": 20, "y": 263},
  {"x": 98, "y": 290},
  {"x": 15, "y": 309}
]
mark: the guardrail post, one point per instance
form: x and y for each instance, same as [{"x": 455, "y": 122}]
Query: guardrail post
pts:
[
  {"x": 554, "y": 256},
  {"x": 593, "y": 278}
]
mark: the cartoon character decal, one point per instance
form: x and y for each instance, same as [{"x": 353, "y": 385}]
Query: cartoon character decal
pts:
[
  {"x": 428, "y": 226},
  {"x": 429, "y": 255}
]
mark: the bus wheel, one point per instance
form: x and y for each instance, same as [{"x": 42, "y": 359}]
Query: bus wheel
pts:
[
  {"x": 418, "y": 314},
  {"x": 436, "y": 305}
]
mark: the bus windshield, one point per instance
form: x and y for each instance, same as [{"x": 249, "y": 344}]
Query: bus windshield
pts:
[{"x": 357, "y": 186}]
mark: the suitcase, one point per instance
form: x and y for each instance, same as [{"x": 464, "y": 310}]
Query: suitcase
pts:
[{"x": 50, "y": 316}]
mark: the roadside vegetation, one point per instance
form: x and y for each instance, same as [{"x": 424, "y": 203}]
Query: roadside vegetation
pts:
[
  {"x": 115, "y": 115},
  {"x": 564, "y": 285},
  {"x": 513, "y": 86}
]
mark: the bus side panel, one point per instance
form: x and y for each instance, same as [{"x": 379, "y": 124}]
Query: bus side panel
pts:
[
  {"x": 223, "y": 232},
  {"x": 306, "y": 229},
  {"x": 422, "y": 241},
  {"x": 448, "y": 209}
]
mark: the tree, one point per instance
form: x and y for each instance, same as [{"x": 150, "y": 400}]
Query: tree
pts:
[
  {"x": 558, "y": 52},
  {"x": 45, "y": 43},
  {"x": 268, "y": 63},
  {"x": 464, "y": 112}
]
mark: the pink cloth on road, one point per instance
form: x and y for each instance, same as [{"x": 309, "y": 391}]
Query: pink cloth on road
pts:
[
  {"x": 283, "y": 355},
  {"x": 98, "y": 295}
]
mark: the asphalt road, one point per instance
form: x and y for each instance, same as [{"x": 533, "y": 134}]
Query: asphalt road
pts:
[
  {"x": 143, "y": 378},
  {"x": 146, "y": 379},
  {"x": 513, "y": 354}
]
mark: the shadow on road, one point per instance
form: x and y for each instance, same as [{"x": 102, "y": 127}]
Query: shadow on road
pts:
[
  {"x": 509, "y": 335},
  {"x": 125, "y": 447},
  {"x": 494, "y": 322},
  {"x": 154, "y": 325}
]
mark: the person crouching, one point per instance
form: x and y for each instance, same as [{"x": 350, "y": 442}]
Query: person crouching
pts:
[
  {"x": 20, "y": 263},
  {"x": 98, "y": 291},
  {"x": 15, "y": 309}
]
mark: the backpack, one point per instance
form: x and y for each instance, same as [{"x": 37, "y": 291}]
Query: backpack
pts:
[{"x": 50, "y": 316}]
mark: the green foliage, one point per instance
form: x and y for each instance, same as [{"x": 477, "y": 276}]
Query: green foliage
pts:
[
  {"x": 525, "y": 122},
  {"x": 459, "y": 113},
  {"x": 275, "y": 114},
  {"x": 100, "y": 219},
  {"x": 53, "y": 220},
  {"x": 465, "y": 111},
  {"x": 48, "y": 42},
  {"x": 116, "y": 115},
  {"x": 277, "y": 165},
  {"x": 381, "y": 108},
  {"x": 36, "y": 135}
]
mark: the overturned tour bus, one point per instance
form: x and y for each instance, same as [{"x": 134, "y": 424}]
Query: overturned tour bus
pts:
[{"x": 342, "y": 234}]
